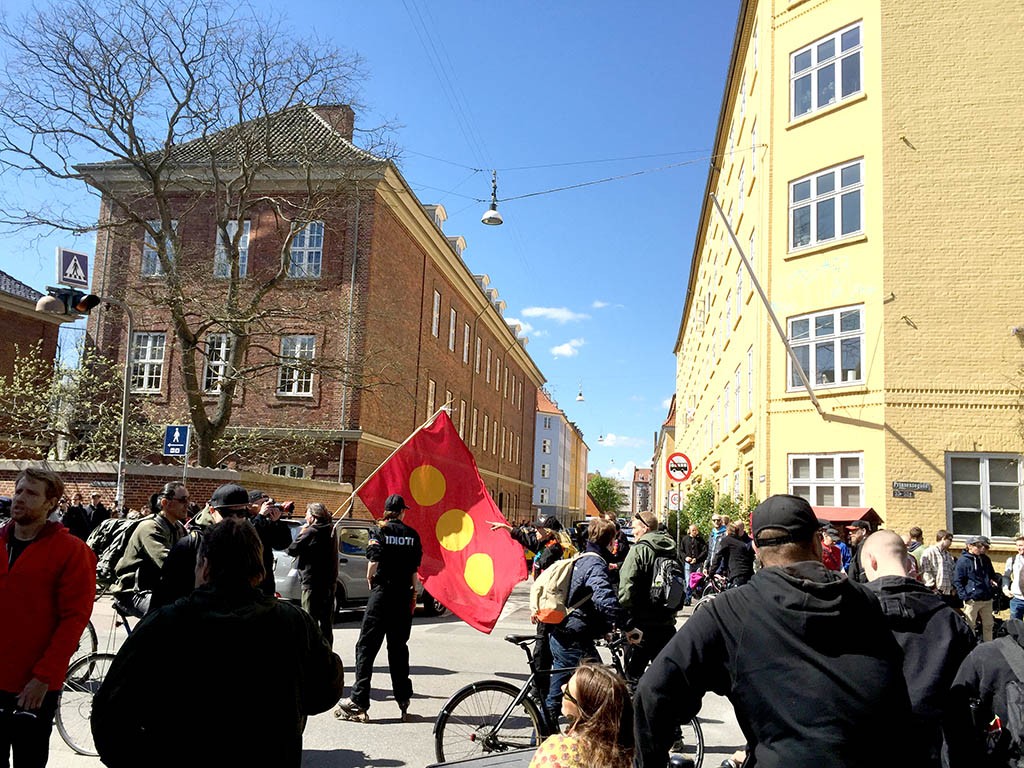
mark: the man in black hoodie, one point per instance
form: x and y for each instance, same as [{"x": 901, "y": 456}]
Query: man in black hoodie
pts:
[
  {"x": 316, "y": 553},
  {"x": 784, "y": 649},
  {"x": 934, "y": 638}
]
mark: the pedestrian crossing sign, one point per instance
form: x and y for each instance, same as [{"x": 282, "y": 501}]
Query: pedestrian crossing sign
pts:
[{"x": 72, "y": 268}]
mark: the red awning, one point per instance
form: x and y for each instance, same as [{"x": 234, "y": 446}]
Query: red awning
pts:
[{"x": 847, "y": 514}]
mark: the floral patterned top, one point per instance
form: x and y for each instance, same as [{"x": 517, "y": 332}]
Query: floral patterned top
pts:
[{"x": 558, "y": 751}]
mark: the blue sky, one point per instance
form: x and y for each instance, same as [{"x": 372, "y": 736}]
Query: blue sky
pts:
[{"x": 541, "y": 91}]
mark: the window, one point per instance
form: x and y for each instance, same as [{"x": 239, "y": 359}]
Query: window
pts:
[
  {"x": 221, "y": 264},
  {"x": 824, "y": 339},
  {"x": 151, "y": 266},
  {"x": 750, "y": 251},
  {"x": 543, "y": 495},
  {"x": 828, "y": 480},
  {"x": 753, "y": 149},
  {"x": 474, "y": 426},
  {"x": 465, "y": 343},
  {"x": 218, "y": 351},
  {"x": 517, "y": 449},
  {"x": 497, "y": 373},
  {"x": 147, "y": 372},
  {"x": 545, "y": 470},
  {"x": 814, "y": 71},
  {"x": 742, "y": 191},
  {"x": 984, "y": 493},
  {"x": 462, "y": 419},
  {"x": 477, "y": 366},
  {"x": 504, "y": 387},
  {"x": 726, "y": 418},
  {"x": 288, "y": 470},
  {"x": 739, "y": 290},
  {"x": 545, "y": 446},
  {"x": 483, "y": 442},
  {"x": 431, "y": 395},
  {"x": 487, "y": 377},
  {"x": 296, "y": 374},
  {"x": 750, "y": 379},
  {"x": 306, "y": 251},
  {"x": 727, "y": 318},
  {"x": 494, "y": 436},
  {"x": 743, "y": 95},
  {"x": 826, "y": 205},
  {"x": 453, "y": 318},
  {"x": 736, "y": 394},
  {"x": 753, "y": 46},
  {"x": 502, "y": 454},
  {"x": 547, "y": 422},
  {"x": 435, "y": 318},
  {"x": 449, "y": 400}
]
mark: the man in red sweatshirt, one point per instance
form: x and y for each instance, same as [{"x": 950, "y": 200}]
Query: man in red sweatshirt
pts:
[{"x": 47, "y": 588}]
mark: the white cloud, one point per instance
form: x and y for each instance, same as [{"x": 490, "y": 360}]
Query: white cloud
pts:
[
  {"x": 525, "y": 327},
  {"x": 558, "y": 314},
  {"x": 666, "y": 403},
  {"x": 623, "y": 474},
  {"x": 611, "y": 440},
  {"x": 598, "y": 304},
  {"x": 540, "y": 334},
  {"x": 571, "y": 348}
]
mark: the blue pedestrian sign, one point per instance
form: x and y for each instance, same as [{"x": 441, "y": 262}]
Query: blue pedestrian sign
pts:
[
  {"x": 176, "y": 440},
  {"x": 72, "y": 268}
]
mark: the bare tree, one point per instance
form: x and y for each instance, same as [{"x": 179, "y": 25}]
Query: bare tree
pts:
[{"x": 171, "y": 110}]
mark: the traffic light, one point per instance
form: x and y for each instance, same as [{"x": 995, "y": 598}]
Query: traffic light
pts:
[{"x": 75, "y": 302}]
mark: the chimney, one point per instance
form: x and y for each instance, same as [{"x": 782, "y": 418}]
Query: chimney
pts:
[{"x": 340, "y": 117}]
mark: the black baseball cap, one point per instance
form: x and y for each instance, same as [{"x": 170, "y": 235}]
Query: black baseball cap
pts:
[
  {"x": 550, "y": 522},
  {"x": 862, "y": 525},
  {"x": 395, "y": 503},
  {"x": 229, "y": 495},
  {"x": 256, "y": 497},
  {"x": 790, "y": 513}
]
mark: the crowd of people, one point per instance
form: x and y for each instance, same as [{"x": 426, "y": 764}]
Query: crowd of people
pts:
[{"x": 843, "y": 646}]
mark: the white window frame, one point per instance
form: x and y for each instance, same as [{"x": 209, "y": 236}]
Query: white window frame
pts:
[
  {"x": 431, "y": 396},
  {"x": 483, "y": 443},
  {"x": 834, "y": 198},
  {"x": 218, "y": 353},
  {"x": 816, "y": 66},
  {"x": 547, "y": 422},
  {"x": 545, "y": 471},
  {"x": 737, "y": 394},
  {"x": 306, "y": 252},
  {"x": 465, "y": 343},
  {"x": 151, "y": 266},
  {"x": 475, "y": 415},
  {"x": 727, "y": 409},
  {"x": 294, "y": 380},
  {"x": 221, "y": 265},
  {"x": 753, "y": 150},
  {"x": 544, "y": 495},
  {"x": 453, "y": 324},
  {"x": 545, "y": 446},
  {"x": 497, "y": 373},
  {"x": 296, "y": 471},
  {"x": 838, "y": 339},
  {"x": 818, "y": 482},
  {"x": 739, "y": 290},
  {"x": 985, "y": 483},
  {"x": 750, "y": 379},
  {"x": 742, "y": 192},
  {"x": 477, "y": 364},
  {"x": 147, "y": 370},
  {"x": 462, "y": 419},
  {"x": 487, "y": 377},
  {"x": 435, "y": 317}
]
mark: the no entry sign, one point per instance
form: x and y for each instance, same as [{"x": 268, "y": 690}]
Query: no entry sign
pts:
[{"x": 678, "y": 467}]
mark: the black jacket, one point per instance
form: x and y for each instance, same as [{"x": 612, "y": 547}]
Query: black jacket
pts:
[
  {"x": 982, "y": 678},
  {"x": 275, "y": 535},
  {"x": 316, "y": 553},
  {"x": 178, "y": 576},
  {"x": 693, "y": 546},
  {"x": 856, "y": 569},
  {"x": 935, "y": 641},
  {"x": 396, "y": 548},
  {"x": 264, "y": 668},
  {"x": 545, "y": 552},
  {"x": 602, "y": 611},
  {"x": 806, "y": 659},
  {"x": 973, "y": 577},
  {"x": 738, "y": 556}
]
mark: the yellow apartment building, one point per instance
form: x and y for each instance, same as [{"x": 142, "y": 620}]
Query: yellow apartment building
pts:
[{"x": 869, "y": 159}]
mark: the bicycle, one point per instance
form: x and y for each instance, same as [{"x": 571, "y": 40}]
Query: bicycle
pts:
[
  {"x": 495, "y": 716},
  {"x": 83, "y": 679},
  {"x": 690, "y": 743}
]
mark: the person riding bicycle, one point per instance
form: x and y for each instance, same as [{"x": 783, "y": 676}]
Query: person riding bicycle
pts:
[
  {"x": 657, "y": 622},
  {"x": 596, "y": 701},
  {"x": 735, "y": 555},
  {"x": 784, "y": 649}
]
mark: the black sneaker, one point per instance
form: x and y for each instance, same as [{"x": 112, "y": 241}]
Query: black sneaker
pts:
[{"x": 403, "y": 706}]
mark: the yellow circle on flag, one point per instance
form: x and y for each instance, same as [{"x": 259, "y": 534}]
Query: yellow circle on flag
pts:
[
  {"x": 454, "y": 530},
  {"x": 479, "y": 573},
  {"x": 427, "y": 485}
]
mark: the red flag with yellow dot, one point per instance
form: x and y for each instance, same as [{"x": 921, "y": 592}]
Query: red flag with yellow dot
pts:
[{"x": 467, "y": 566}]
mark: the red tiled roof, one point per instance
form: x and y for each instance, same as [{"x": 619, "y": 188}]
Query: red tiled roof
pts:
[
  {"x": 670, "y": 420},
  {"x": 545, "y": 404}
]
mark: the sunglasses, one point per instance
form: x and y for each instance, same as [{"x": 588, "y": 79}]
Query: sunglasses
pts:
[{"x": 568, "y": 694}]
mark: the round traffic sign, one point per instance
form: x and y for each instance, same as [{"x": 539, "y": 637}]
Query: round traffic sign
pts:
[
  {"x": 678, "y": 467},
  {"x": 674, "y": 500}
]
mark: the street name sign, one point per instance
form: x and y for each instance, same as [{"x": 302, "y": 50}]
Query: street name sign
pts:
[
  {"x": 904, "y": 485},
  {"x": 678, "y": 467},
  {"x": 72, "y": 268},
  {"x": 176, "y": 440}
]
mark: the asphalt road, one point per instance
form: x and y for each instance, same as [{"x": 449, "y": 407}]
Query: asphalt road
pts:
[{"x": 445, "y": 654}]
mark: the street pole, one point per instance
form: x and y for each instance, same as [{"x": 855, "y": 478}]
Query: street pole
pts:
[{"x": 122, "y": 456}]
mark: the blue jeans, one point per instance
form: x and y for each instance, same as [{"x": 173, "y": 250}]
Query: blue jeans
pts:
[
  {"x": 566, "y": 654},
  {"x": 1016, "y": 608},
  {"x": 687, "y": 567}
]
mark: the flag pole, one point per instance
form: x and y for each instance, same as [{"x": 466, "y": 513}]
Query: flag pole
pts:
[{"x": 347, "y": 504}]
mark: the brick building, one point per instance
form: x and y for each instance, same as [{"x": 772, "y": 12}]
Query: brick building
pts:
[
  {"x": 863, "y": 167},
  {"x": 23, "y": 328},
  {"x": 372, "y": 321}
]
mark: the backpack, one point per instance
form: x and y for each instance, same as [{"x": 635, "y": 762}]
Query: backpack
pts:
[
  {"x": 569, "y": 550},
  {"x": 1014, "y": 725},
  {"x": 668, "y": 581},
  {"x": 109, "y": 540},
  {"x": 549, "y": 595}
]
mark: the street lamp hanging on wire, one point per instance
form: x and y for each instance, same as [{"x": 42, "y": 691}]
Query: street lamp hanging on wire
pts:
[{"x": 491, "y": 216}]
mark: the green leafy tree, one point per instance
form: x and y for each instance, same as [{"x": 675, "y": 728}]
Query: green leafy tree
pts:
[
  {"x": 698, "y": 507},
  {"x": 607, "y": 494}
]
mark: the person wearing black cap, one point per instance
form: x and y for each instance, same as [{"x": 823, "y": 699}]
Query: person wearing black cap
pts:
[
  {"x": 976, "y": 582},
  {"x": 393, "y": 553},
  {"x": 803, "y": 653},
  {"x": 858, "y": 530}
]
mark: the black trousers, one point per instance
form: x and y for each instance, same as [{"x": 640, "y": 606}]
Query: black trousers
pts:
[
  {"x": 319, "y": 603},
  {"x": 27, "y": 734},
  {"x": 639, "y": 656},
  {"x": 388, "y": 616}
]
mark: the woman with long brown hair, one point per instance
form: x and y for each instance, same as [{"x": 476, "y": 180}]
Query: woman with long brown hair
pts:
[{"x": 600, "y": 733}]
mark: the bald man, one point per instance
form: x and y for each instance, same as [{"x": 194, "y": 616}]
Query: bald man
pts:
[{"x": 934, "y": 639}]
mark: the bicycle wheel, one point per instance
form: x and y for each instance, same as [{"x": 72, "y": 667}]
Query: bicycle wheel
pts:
[
  {"x": 87, "y": 644},
  {"x": 691, "y": 742},
  {"x": 75, "y": 708},
  {"x": 704, "y": 601},
  {"x": 467, "y": 724}
]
